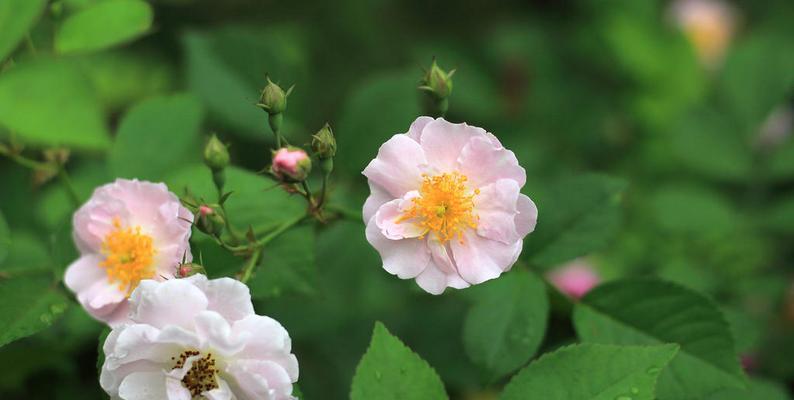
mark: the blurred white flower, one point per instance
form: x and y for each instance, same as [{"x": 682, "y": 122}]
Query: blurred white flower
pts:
[{"x": 194, "y": 337}]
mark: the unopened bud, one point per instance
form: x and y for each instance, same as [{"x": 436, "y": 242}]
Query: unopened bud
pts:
[
  {"x": 437, "y": 82},
  {"x": 189, "y": 269},
  {"x": 324, "y": 143},
  {"x": 273, "y": 99},
  {"x": 291, "y": 164},
  {"x": 216, "y": 155},
  {"x": 210, "y": 219}
]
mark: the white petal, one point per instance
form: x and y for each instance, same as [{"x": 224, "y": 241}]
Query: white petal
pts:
[
  {"x": 143, "y": 386},
  {"x": 417, "y": 127},
  {"x": 173, "y": 302},
  {"x": 378, "y": 196},
  {"x": 388, "y": 219},
  {"x": 226, "y": 296},
  {"x": 266, "y": 338},
  {"x": 217, "y": 333}
]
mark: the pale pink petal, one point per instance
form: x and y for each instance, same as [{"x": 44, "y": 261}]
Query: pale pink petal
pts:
[
  {"x": 484, "y": 163},
  {"x": 574, "y": 279},
  {"x": 396, "y": 169},
  {"x": 267, "y": 339},
  {"x": 496, "y": 209},
  {"x": 143, "y": 386},
  {"x": 443, "y": 143},
  {"x": 405, "y": 258},
  {"x": 415, "y": 131},
  {"x": 377, "y": 198},
  {"x": 173, "y": 302},
  {"x": 226, "y": 296},
  {"x": 432, "y": 280},
  {"x": 222, "y": 392},
  {"x": 527, "y": 216},
  {"x": 480, "y": 259},
  {"x": 388, "y": 219},
  {"x": 261, "y": 379},
  {"x": 143, "y": 342},
  {"x": 84, "y": 272},
  {"x": 216, "y": 333},
  {"x": 176, "y": 390}
]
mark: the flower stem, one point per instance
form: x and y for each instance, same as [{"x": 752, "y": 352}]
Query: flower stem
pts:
[
  {"x": 250, "y": 265},
  {"x": 67, "y": 183}
]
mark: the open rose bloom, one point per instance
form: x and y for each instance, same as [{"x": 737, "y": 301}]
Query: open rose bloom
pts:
[
  {"x": 127, "y": 232},
  {"x": 445, "y": 206},
  {"x": 197, "y": 338}
]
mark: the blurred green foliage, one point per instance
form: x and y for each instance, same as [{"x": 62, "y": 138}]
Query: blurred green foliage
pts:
[{"x": 640, "y": 158}]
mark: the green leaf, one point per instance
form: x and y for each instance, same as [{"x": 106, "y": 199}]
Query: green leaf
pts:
[
  {"x": 592, "y": 372},
  {"x": 693, "y": 209},
  {"x": 779, "y": 216},
  {"x": 640, "y": 311},
  {"x": 757, "y": 77},
  {"x": 781, "y": 161},
  {"x": 47, "y": 102},
  {"x": 506, "y": 325},
  {"x": 100, "y": 352},
  {"x": 390, "y": 371},
  {"x": 757, "y": 389},
  {"x": 156, "y": 136},
  {"x": 580, "y": 215},
  {"x": 287, "y": 265},
  {"x": 29, "y": 304},
  {"x": 707, "y": 143},
  {"x": 5, "y": 238},
  {"x": 16, "y": 18},
  {"x": 378, "y": 108},
  {"x": 102, "y": 25}
]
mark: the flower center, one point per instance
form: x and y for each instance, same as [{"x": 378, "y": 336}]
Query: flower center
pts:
[
  {"x": 128, "y": 256},
  {"x": 444, "y": 207},
  {"x": 201, "y": 376}
]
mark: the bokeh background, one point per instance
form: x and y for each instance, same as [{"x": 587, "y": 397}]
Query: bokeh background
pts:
[{"x": 687, "y": 111}]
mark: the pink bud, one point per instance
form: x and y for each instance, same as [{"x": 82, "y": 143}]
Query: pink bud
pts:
[
  {"x": 292, "y": 163},
  {"x": 205, "y": 210},
  {"x": 574, "y": 279}
]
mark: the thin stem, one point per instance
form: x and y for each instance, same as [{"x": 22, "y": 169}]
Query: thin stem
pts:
[
  {"x": 250, "y": 265},
  {"x": 67, "y": 183},
  {"x": 31, "y": 46},
  {"x": 324, "y": 192}
]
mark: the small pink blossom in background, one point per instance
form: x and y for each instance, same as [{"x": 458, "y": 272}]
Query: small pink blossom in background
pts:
[
  {"x": 709, "y": 25},
  {"x": 129, "y": 230},
  {"x": 197, "y": 338},
  {"x": 749, "y": 362},
  {"x": 574, "y": 279},
  {"x": 205, "y": 210},
  {"x": 445, "y": 206},
  {"x": 287, "y": 161}
]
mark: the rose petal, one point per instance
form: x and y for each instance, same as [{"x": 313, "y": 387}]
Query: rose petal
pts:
[
  {"x": 378, "y": 197},
  {"x": 388, "y": 219},
  {"x": 405, "y": 258},
  {"x": 173, "y": 302},
  {"x": 496, "y": 209},
  {"x": 443, "y": 143},
  {"x": 143, "y": 386},
  {"x": 501, "y": 163},
  {"x": 396, "y": 169},
  {"x": 417, "y": 127},
  {"x": 480, "y": 259},
  {"x": 226, "y": 296},
  {"x": 527, "y": 216}
]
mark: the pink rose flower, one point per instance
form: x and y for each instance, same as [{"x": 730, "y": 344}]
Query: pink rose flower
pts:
[
  {"x": 292, "y": 163},
  {"x": 127, "y": 232},
  {"x": 197, "y": 338},
  {"x": 574, "y": 279},
  {"x": 445, "y": 206}
]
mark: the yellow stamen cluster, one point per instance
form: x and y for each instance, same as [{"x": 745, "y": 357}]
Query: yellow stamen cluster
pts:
[
  {"x": 444, "y": 207},
  {"x": 201, "y": 376},
  {"x": 129, "y": 255}
]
